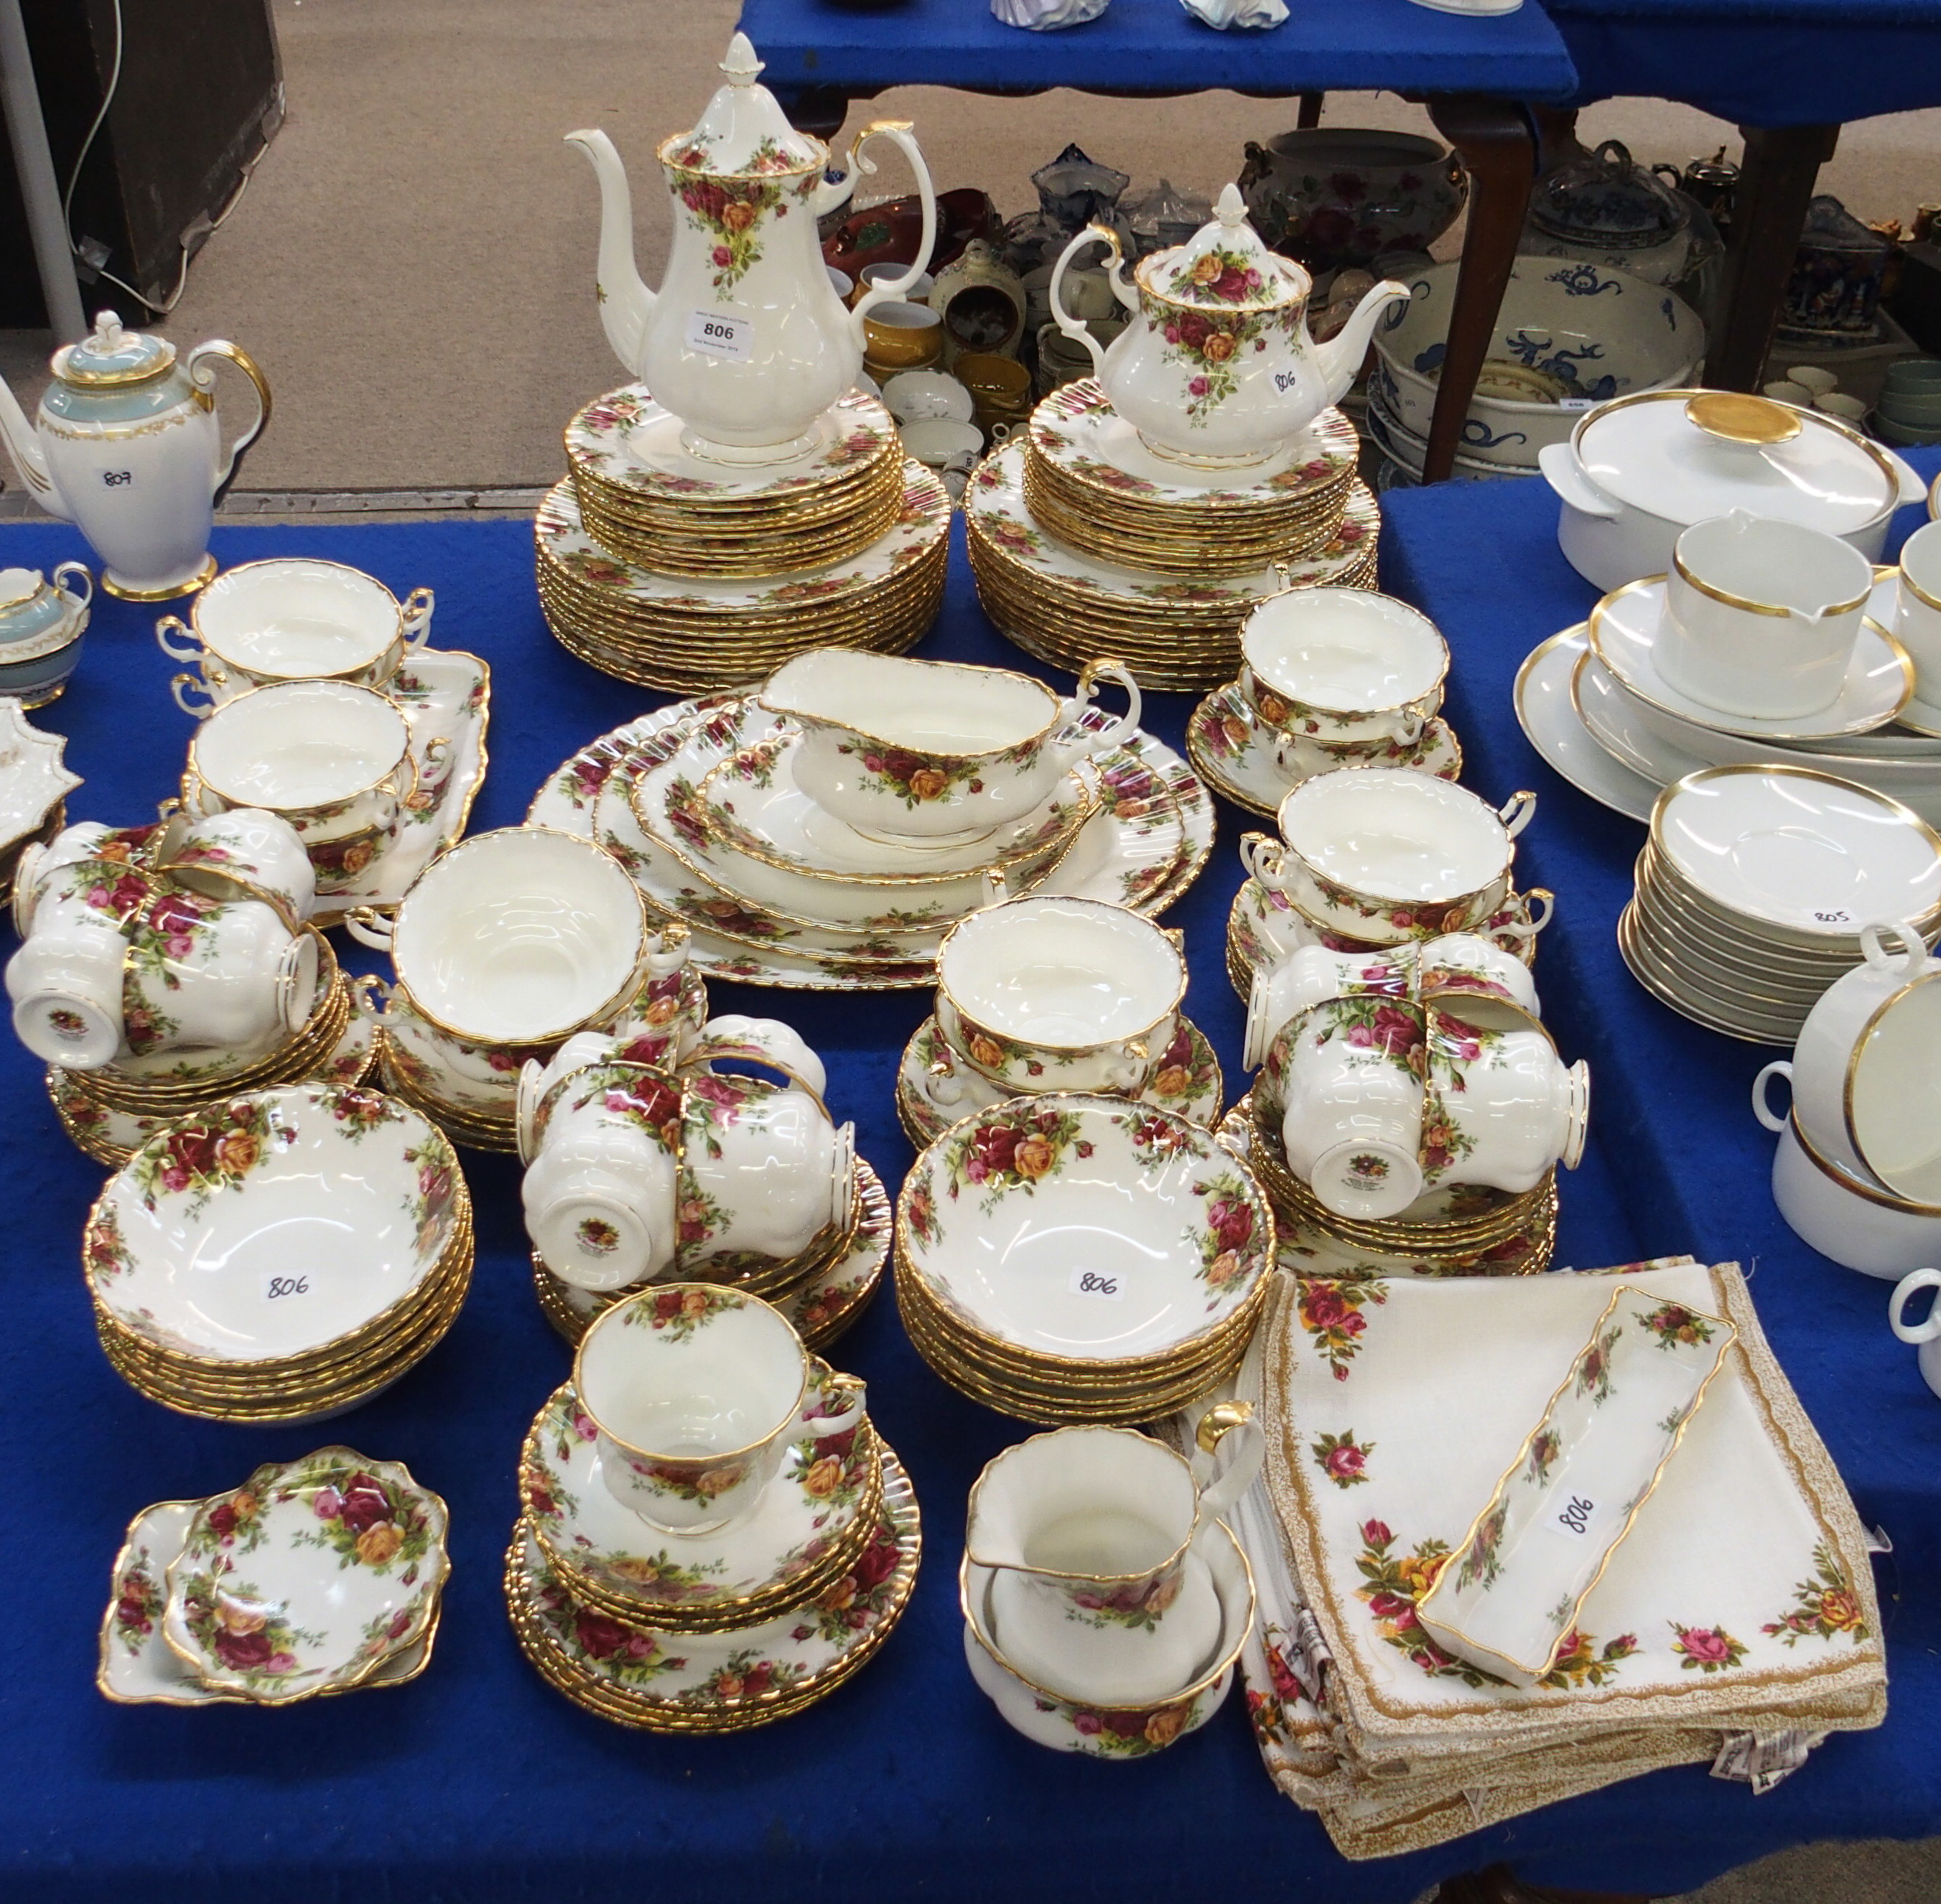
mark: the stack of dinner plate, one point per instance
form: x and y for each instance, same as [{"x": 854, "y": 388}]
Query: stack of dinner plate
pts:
[
  {"x": 1092, "y": 482},
  {"x": 1068, "y": 1257},
  {"x": 1176, "y": 627},
  {"x": 250, "y": 1264},
  {"x": 1754, "y": 887}
]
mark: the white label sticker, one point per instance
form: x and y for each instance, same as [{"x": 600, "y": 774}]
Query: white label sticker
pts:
[
  {"x": 1576, "y": 403},
  {"x": 1091, "y": 1282},
  {"x": 283, "y": 1289},
  {"x": 720, "y": 335},
  {"x": 1575, "y": 1515}
]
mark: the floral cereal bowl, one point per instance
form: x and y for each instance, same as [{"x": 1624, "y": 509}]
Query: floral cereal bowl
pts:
[
  {"x": 307, "y": 1579},
  {"x": 295, "y": 1224},
  {"x": 1080, "y": 1232},
  {"x": 1569, "y": 333}
]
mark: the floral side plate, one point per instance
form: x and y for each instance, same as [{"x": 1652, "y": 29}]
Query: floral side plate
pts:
[
  {"x": 697, "y": 1681},
  {"x": 1076, "y": 429},
  {"x": 1232, "y": 753},
  {"x": 1083, "y": 1228},
  {"x": 1509, "y": 1595},
  {"x": 1187, "y": 1082},
  {"x": 626, "y": 438},
  {"x": 308, "y": 1578},
  {"x": 807, "y": 1510},
  {"x": 138, "y": 1667},
  {"x": 1150, "y": 840},
  {"x": 32, "y": 776}
]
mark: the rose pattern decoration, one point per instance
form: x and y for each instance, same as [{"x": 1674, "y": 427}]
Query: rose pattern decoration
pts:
[
  {"x": 1205, "y": 343},
  {"x": 1393, "y": 1585},
  {"x": 1121, "y": 1733},
  {"x": 1825, "y": 1606},
  {"x": 1706, "y": 1648},
  {"x": 200, "y": 1160},
  {"x": 678, "y": 1313},
  {"x": 1545, "y": 1445},
  {"x": 859, "y": 1599},
  {"x": 1230, "y": 1227},
  {"x": 1135, "y": 1605},
  {"x": 140, "y": 1598},
  {"x": 255, "y": 1641},
  {"x": 1342, "y": 1458},
  {"x": 1013, "y": 1153},
  {"x": 1675, "y": 1326},
  {"x": 597, "y": 1236},
  {"x": 1479, "y": 1558},
  {"x": 729, "y": 210},
  {"x": 1331, "y": 1311},
  {"x": 1594, "y": 1366},
  {"x": 366, "y": 1522},
  {"x": 1581, "y": 1662}
]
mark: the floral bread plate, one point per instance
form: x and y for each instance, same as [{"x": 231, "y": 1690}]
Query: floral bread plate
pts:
[
  {"x": 806, "y": 1521},
  {"x": 1187, "y": 1082},
  {"x": 139, "y": 1667},
  {"x": 1510, "y": 1595},
  {"x": 307, "y": 1578},
  {"x": 1234, "y": 756}
]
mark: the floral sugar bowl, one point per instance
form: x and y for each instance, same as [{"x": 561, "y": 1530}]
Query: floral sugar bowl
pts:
[
  {"x": 1216, "y": 367},
  {"x": 41, "y": 622}
]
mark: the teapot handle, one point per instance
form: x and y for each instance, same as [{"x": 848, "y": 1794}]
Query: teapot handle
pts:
[
  {"x": 1072, "y": 328},
  {"x": 898, "y": 132},
  {"x": 202, "y": 374}
]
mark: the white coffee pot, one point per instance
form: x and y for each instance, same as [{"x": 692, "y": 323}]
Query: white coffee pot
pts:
[
  {"x": 746, "y": 340},
  {"x": 1216, "y": 366},
  {"x": 126, "y": 445}
]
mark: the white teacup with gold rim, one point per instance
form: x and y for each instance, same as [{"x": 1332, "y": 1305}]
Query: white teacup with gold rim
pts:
[
  {"x": 696, "y": 1393},
  {"x": 1075, "y": 993},
  {"x": 293, "y": 618},
  {"x": 1386, "y": 853},
  {"x": 332, "y": 759},
  {"x": 931, "y": 751},
  {"x": 1342, "y": 665}
]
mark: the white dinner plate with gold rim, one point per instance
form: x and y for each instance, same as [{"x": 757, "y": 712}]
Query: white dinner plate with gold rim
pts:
[
  {"x": 1548, "y": 712},
  {"x": 1798, "y": 849},
  {"x": 1624, "y": 629},
  {"x": 1156, "y": 836}
]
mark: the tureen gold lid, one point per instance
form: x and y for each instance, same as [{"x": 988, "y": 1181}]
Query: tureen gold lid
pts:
[
  {"x": 1224, "y": 266},
  {"x": 744, "y": 130}
]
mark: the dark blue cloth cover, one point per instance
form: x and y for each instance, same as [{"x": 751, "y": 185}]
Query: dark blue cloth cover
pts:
[{"x": 479, "y": 1782}]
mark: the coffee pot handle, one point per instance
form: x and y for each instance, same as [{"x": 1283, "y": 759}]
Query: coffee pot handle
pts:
[
  {"x": 202, "y": 374},
  {"x": 1078, "y": 332},
  {"x": 1224, "y": 1480},
  {"x": 898, "y": 132}
]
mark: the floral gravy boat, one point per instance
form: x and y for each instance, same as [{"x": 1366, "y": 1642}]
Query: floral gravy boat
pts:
[{"x": 1217, "y": 368}]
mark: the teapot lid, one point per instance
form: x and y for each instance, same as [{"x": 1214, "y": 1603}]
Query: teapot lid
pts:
[
  {"x": 1224, "y": 266},
  {"x": 1606, "y": 198},
  {"x": 112, "y": 355},
  {"x": 743, "y": 129}
]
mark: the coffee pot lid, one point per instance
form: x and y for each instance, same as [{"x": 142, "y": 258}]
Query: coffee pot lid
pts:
[
  {"x": 112, "y": 355},
  {"x": 743, "y": 129},
  {"x": 1224, "y": 266}
]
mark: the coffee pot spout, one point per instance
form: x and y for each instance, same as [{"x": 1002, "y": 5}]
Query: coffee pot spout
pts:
[
  {"x": 23, "y": 447},
  {"x": 626, "y": 304}
]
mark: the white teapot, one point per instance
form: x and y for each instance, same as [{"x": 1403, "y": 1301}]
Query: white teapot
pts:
[
  {"x": 1216, "y": 367},
  {"x": 746, "y": 341},
  {"x": 127, "y": 446}
]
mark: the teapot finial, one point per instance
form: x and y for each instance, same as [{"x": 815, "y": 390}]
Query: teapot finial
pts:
[
  {"x": 1231, "y": 208},
  {"x": 107, "y": 331},
  {"x": 741, "y": 66}
]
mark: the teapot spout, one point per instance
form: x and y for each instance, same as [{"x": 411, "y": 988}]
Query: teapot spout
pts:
[
  {"x": 25, "y": 449},
  {"x": 626, "y": 304},
  {"x": 1341, "y": 356}
]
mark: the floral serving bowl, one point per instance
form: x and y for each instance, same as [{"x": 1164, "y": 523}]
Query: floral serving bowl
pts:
[
  {"x": 1084, "y": 1234},
  {"x": 1568, "y": 334},
  {"x": 1336, "y": 195},
  {"x": 307, "y": 1579},
  {"x": 290, "y": 1225}
]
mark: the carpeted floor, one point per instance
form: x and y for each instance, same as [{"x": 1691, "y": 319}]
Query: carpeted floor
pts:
[{"x": 413, "y": 266}]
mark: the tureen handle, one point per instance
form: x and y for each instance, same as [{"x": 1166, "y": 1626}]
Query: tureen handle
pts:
[
  {"x": 898, "y": 132},
  {"x": 202, "y": 374},
  {"x": 1762, "y": 1111},
  {"x": 368, "y": 926},
  {"x": 1558, "y": 463},
  {"x": 1093, "y": 234},
  {"x": 174, "y": 624},
  {"x": 415, "y": 623},
  {"x": 186, "y": 684},
  {"x": 1515, "y": 812}
]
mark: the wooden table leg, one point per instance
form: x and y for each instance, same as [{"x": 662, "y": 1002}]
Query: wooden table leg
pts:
[
  {"x": 1493, "y": 137},
  {"x": 1310, "y": 115},
  {"x": 1768, "y": 212},
  {"x": 1499, "y": 1885}
]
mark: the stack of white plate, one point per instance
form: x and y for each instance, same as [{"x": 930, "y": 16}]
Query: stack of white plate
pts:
[
  {"x": 1595, "y": 707},
  {"x": 1754, "y": 887}
]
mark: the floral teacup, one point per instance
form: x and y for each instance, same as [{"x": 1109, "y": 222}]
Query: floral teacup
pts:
[
  {"x": 244, "y": 854},
  {"x": 1342, "y": 665},
  {"x": 697, "y": 1393}
]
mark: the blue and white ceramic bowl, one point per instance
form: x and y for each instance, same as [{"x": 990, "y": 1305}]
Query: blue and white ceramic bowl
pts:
[
  {"x": 1568, "y": 335},
  {"x": 42, "y": 623}
]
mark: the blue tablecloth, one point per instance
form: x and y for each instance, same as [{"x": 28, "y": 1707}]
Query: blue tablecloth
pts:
[
  {"x": 1155, "y": 46},
  {"x": 479, "y": 1782}
]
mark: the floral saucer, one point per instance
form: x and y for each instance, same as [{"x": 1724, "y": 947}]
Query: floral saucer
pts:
[
  {"x": 1230, "y": 751},
  {"x": 138, "y": 1667},
  {"x": 807, "y": 1519},
  {"x": 308, "y": 1578},
  {"x": 1149, "y": 841},
  {"x": 710, "y": 1683},
  {"x": 1189, "y": 1083},
  {"x": 444, "y": 694},
  {"x": 825, "y": 1305}
]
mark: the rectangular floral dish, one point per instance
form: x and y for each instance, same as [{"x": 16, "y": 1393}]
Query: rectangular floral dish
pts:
[{"x": 1508, "y": 1595}]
